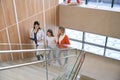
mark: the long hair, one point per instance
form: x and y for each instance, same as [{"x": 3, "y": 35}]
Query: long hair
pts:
[{"x": 51, "y": 32}]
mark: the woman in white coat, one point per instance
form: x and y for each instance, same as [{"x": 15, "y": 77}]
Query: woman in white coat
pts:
[{"x": 37, "y": 35}]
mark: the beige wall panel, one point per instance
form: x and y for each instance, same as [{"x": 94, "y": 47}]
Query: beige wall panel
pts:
[
  {"x": 6, "y": 57},
  {"x": 16, "y": 56},
  {"x": 21, "y": 6},
  {"x": 40, "y": 19},
  {"x": 13, "y": 34},
  {"x": 2, "y": 23},
  {"x": 3, "y": 57},
  {"x": 3, "y": 37},
  {"x": 30, "y": 7},
  {"x": 25, "y": 28},
  {"x": 34, "y": 6},
  {"x": 4, "y": 47},
  {"x": 50, "y": 18},
  {"x": 56, "y": 2},
  {"x": 38, "y": 5},
  {"x": 28, "y": 54},
  {"x": 47, "y": 18},
  {"x": 47, "y": 4},
  {"x": 52, "y": 3},
  {"x": 24, "y": 32},
  {"x": 91, "y": 20},
  {"x": 52, "y": 14},
  {"x": 9, "y": 11},
  {"x": 57, "y": 15}
]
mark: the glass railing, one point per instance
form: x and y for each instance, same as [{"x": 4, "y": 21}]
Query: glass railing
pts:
[{"x": 56, "y": 63}]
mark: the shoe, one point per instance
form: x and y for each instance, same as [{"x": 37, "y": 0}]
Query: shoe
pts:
[{"x": 38, "y": 57}]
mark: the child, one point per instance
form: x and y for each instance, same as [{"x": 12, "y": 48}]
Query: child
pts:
[{"x": 50, "y": 42}]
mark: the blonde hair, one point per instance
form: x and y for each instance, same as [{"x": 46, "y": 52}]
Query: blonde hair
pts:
[{"x": 62, "y": 28}]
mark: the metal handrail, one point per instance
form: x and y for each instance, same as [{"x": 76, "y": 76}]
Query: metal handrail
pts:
[
  {"x": 30, "y": 63},
  {"x": 79, "y": 66},
  {"x": 32, "y": 50},
  {"x": 46, "y": 60},
  {"x": 74, "y": 65}
]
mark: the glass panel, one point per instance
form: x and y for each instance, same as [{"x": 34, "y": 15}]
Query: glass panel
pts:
[
  {"x": 53, "y": 65},
  {"x": 74, "y": 34},
  {"x": 96, "y": 39},
  {"x": 94, "y": 49},
  {"x": 59, "y": 69},
  {"x": 77, "y": 65},
  {"x": 112, "y": 54},
  {"x": 75, "y": 44},
  {"x": 113, "y": 42}
]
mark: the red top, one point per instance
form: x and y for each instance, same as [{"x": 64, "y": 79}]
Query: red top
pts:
[{"x": 64, "y": 41}]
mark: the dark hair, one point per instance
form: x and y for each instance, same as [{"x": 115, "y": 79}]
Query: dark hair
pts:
[
  {"x": 62, "y": 28},
  {"x": 50, "y": 31},
  {"x": 36, "y": 23}
]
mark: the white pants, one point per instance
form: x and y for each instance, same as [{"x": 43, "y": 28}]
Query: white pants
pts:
[{"x": 40, "y": 46}]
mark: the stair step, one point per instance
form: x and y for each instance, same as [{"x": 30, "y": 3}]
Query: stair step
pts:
[{"x": 83, "y": 77}]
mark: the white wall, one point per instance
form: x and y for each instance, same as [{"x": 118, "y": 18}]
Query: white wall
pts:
[{"x": 90, "y": 20}]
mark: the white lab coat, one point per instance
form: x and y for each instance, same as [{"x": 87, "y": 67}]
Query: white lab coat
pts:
[{"x": 40, "y": 39}]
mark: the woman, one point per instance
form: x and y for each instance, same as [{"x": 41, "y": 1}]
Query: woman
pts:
[
  {"x": 37, "y": 35},
  {"x": 50, "y": 42},
  {"x": 62, "y": 42}
]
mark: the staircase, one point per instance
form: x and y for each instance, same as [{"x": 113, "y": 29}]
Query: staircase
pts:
[
  {"x": 75, "y": 70},
  {"x": 83, "y": 77},
  {"x": 43, "y": 71}
]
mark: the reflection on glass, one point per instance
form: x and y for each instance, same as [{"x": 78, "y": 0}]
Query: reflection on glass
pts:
[
  {"x": 114, "y": 43},
  {"x": 74, "y": 34},
  {"x": 94, "y": 49},
  {"x": 75, "y": 44},
  {"x": 96, "y": 39},
  {"x": 112, "y": 54}
]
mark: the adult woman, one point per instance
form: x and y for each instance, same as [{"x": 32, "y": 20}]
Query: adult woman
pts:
[
  {"x": 50, "y": 42},
  {"x": 37, "y": 35},
  {"x": 62, "y": 41}
]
